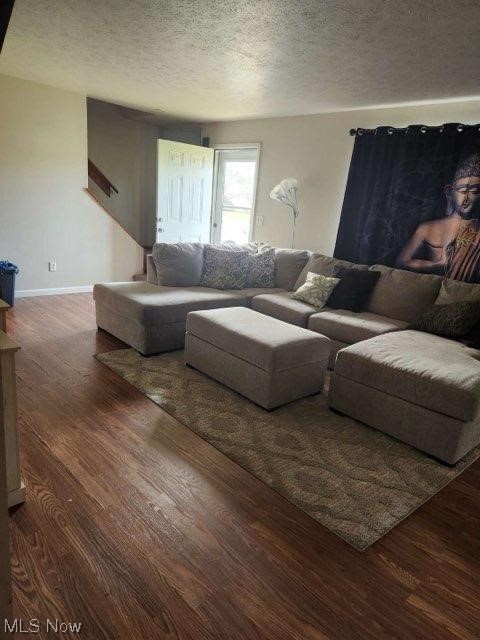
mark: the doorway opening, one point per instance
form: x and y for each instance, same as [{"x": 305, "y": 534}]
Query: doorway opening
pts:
[{"x": 234, "y": 190}]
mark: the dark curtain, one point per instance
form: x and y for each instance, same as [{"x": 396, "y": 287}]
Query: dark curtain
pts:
[{"x": 405, "y": 200}]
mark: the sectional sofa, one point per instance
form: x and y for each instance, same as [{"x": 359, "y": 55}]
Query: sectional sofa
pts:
[{"x": 421, "y": 388}]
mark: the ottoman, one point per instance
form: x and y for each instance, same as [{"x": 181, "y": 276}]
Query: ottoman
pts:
[
  {"x": 417, "y": 387},
  {"x": 265, "y": 359}
]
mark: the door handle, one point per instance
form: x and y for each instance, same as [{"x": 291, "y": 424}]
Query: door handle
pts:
[
  {"x": 215, "y": 225},
  {"x": 160, "y": 230}
]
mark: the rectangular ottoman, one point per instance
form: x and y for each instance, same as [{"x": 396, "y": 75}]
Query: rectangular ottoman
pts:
[{"x": 266, "y": 360}]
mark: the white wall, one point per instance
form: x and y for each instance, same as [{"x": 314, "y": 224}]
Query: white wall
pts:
[
  {"x": 44, "y": 212},
  {"x": 316, "y": 150}
]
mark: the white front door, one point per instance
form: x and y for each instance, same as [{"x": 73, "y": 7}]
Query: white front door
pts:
[{"x": 185, "y": 175}]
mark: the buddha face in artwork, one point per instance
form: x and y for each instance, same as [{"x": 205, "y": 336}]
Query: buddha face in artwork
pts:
[
  {"x": 463, "y": 195},
  {"x": 465, "y": 192}
]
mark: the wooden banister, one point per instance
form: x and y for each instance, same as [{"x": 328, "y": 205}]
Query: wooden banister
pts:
[{"x": 100, "y": 179}]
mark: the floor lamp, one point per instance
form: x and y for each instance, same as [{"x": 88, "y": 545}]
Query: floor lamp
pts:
[{"x": 286, "y": 193}]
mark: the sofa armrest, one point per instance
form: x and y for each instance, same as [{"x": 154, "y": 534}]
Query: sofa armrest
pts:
[{"x": 151, "y": 270}]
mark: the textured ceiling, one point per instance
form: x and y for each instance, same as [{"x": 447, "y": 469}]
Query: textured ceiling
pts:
[{"x": 233, "y": 59}]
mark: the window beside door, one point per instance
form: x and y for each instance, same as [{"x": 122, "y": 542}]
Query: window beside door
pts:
[{"x": 235, "y": 181}]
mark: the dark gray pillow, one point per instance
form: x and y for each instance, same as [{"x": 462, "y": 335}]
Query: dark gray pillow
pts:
[
  {"x": 288, "y": 264},
  {"x": 261, "y": 269},
  {"x": 178, "y": 264},
  {"x": 224, "y": 269},
  {"x": 453, "y": 320}
]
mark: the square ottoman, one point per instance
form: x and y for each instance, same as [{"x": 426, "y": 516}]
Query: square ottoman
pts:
[
  {"x": 420, "y": 388},
  {"x": 266, "y": 360}
]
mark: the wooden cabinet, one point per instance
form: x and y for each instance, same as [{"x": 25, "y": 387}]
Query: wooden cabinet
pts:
[
  {"x": 8, "y": 409},
  {"x": 3, "y": 315},
  {"x": 7, "y": 356}
]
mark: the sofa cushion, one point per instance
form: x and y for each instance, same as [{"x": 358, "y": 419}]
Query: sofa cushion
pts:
[
  {"x": 250, "y": 292},
  {"x": 149, "y": 305},
  {"x": 432, "y": 372},
  {"x": 283, "y": 307},
  {"x": 179, "y": 264},
  {"x": 224, "y": 269},
  {"x": 456, "y": 291},
  {"x": 349, "y": 326},
  {"x": 324, "y": 266},
  {"x": 403, "y": 295},
  {"x": 264, "y": 342},
  {"x": 288, "y": 264}
]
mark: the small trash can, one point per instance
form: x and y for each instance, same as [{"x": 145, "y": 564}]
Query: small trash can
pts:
[{"x": 8, "y": 271}]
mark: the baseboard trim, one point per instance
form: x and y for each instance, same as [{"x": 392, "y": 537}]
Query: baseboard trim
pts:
[{"x": 29, "y": 293}]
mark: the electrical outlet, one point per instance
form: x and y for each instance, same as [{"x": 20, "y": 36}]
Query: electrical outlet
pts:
[
  {"x": 259, "y": 221},
  {"x": 52, "y": 265}
]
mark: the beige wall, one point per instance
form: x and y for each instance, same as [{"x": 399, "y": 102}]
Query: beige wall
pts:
[
  {"x": 316, "y": 150},
  {"x": 44, "y": 212}
]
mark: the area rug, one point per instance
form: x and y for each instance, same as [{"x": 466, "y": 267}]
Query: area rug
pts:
[{"x": 354, "y": 480}]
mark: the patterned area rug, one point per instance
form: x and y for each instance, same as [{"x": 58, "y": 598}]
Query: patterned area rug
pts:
[{"x": 354, "y": 480}]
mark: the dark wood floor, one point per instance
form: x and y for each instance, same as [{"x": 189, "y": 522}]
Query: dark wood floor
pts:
[{"x": 137, "y": 528}]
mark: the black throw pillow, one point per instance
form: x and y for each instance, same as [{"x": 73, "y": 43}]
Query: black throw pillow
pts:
[
  {"x": 472, "y": 339},
  {"x": 353, "y": 290},
  {"x": 455, "y": 320}
]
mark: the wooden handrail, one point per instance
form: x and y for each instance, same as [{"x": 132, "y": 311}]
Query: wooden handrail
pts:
[{"x": 100, "y": 179}]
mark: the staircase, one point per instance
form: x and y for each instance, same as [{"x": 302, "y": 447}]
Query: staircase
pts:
[
  {"x": 109, "y": 189},
  {"x": 100, "y": 179}
]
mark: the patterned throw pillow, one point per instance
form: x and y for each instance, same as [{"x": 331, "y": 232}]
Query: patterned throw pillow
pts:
[
  {"x": 250, "y": 247},
  {"x": 316, "y": 290},
  {"x": 224, "y": 269},
  {"x": 454, "y": 320},
  {"x": 457, "y": 291},
  {"x": 261, "y": 269}
]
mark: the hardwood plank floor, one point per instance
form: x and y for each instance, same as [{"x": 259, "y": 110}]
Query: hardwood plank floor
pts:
[{"x": 137, "y": 528}]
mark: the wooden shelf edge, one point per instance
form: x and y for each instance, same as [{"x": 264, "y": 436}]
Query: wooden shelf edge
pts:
[
  {"x": 7, "y": 344},
  {"x": 17, "y": 496}
]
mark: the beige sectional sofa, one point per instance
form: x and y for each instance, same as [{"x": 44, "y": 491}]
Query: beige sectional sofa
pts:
[
  {"x": 420, "y": 388},
  {"x": 399, "y": 297}
]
